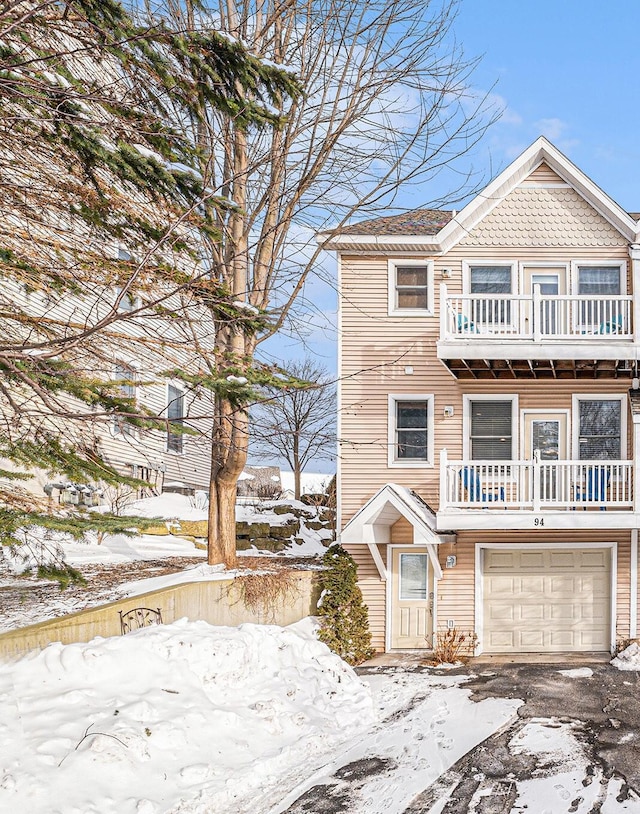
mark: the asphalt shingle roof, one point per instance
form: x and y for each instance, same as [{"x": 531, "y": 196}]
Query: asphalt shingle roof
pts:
[{"x": 416, "y": 222}]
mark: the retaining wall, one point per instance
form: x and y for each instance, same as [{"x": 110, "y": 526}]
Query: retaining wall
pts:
[{"x": 218, "y": 602}]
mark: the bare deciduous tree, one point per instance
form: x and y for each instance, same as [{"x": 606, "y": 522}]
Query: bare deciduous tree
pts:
[
  {"x": 386, "y": 103},
  {"x": 299, "y": 423}
]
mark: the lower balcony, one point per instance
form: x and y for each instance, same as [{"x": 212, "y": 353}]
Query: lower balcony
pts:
[{"x": 536, "y": 494}]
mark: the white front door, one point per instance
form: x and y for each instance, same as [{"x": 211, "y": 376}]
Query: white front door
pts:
[
  {"x": 550, "y": 319},
  {"x": 545, "y": 435},
  {"x": 411, "y": 603}
]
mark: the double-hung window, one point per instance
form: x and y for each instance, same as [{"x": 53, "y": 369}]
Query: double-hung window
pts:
[
  {"x": 411, "y": 287},
  {"x": 175, "y": 415},
  {"x": 490, "y": 280},
  {"x": 599, "y": 429},
  {"x": 410, "y": 430},
  {"x": 125, "y": 375},
  {"x": 491, "y": 434}
]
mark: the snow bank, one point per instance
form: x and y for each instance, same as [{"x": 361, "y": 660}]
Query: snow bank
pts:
[
  {"x": 168, "y": 505},
  {"x": 628, "y": 659},
  {"x": 195, "y": 573},
  {"x": 176, "y": 718}
]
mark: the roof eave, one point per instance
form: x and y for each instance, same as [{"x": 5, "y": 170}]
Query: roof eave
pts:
[{"x": 363, "y": 243}]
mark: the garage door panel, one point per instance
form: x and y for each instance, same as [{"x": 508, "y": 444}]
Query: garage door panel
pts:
[
  {"x": 531, "y": 640},
  {"x": 530, "y": 613},
  {"x": 562, "y": 586},
  {"x": 532, "y": 559},
  {"x": 503, "y": 559},
  {"x": 502, "y": 640},
  {"x": 547, "y": 600},
  {"x": 502, "y": 612},
  {"x": 530, "y": 584},
  {"x": 594, "y": 559},
  {"x": 562, "y": 559},
  {"x": 502, "y": 585}
]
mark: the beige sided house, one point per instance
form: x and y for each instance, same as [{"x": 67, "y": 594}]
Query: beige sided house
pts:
[{"x": 490, "y": 415}]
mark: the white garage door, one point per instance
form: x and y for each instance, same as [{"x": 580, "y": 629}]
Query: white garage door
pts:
[{"x": 548, "y": 600}]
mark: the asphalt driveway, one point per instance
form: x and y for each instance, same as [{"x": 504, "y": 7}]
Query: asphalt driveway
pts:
[{"x": 572, "y": 745}]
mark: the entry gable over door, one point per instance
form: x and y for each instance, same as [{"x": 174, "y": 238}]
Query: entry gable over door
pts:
[{"x": 371, "y": 525}]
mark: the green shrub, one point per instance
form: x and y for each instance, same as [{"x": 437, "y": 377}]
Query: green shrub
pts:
[{"x": 344, "y": 616}]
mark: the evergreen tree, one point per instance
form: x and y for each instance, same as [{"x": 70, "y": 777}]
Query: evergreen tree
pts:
[
  {"x": 94, "y": 156},
  {"x": 344, "y": 616}
]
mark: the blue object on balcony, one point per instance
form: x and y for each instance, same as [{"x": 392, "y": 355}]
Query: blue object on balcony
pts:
[
  {"x": 595, "y": 486},
  {"x": 476, "y": 494},
  {"x": 613, "y": 326},
  {"x": 464, "y": 325}
]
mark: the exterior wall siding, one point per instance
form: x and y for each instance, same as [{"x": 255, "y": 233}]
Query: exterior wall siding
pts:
[{"x": 544, "y": 175}]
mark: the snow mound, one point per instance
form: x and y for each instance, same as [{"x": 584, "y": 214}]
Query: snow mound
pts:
[
  {"x": 182, "y": 717},
  {"x": 628, "y": 659}
]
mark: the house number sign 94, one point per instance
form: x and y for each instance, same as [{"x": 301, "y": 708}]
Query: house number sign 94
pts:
[{"x": 538, "y": 521}]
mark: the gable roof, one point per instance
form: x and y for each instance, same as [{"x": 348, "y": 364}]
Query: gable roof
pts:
[{"x": 408, "y": 232}]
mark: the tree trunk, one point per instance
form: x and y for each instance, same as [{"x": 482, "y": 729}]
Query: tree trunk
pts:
[
  {"x": 222, "y": 523},
  {"x": 296, "y": 466}
]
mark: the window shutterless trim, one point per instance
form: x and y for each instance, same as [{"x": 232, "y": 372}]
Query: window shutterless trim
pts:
[
  {"x": 409, "y": 463},
  {"x": 393, "y": 309}
]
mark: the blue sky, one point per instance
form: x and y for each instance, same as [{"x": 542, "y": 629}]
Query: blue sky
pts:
[{"x": 559, "y": 68}]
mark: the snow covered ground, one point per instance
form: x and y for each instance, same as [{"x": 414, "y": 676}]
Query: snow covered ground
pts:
[
  {"x": 192, "y": 719},
  {"x": 184, "y": 717}
]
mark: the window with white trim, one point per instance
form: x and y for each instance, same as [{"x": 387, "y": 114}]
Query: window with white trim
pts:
[
  {"x": 602, "y": 284},
  {"x": 126, "y": 377},
  {"x": 491, "y": 430},
  {"x": 411, "y": 287},
  {"x": 599, "y": 429},
  {"x": 175, "y": 415},
  {"x": 410, "y": 430}
]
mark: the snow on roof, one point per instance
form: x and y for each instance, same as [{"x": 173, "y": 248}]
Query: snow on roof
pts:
[{"x": 311, "y": 483}]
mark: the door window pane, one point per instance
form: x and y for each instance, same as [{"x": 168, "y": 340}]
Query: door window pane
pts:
[
  {"x": 491, "y": 434},
  {"x": 413, "y": 576},
  {"x": 546, "y": 439},
  {"x": 600, "y": 423}
]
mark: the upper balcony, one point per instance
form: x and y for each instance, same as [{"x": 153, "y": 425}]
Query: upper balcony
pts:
[
  {"x": 536, "y": 335},
  {"x": 538, "y": 494}
]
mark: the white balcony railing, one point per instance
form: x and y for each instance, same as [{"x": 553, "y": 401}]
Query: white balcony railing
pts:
[
  {"x": 536, "y": 485},
  {"x": 536, "y": 317}
]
